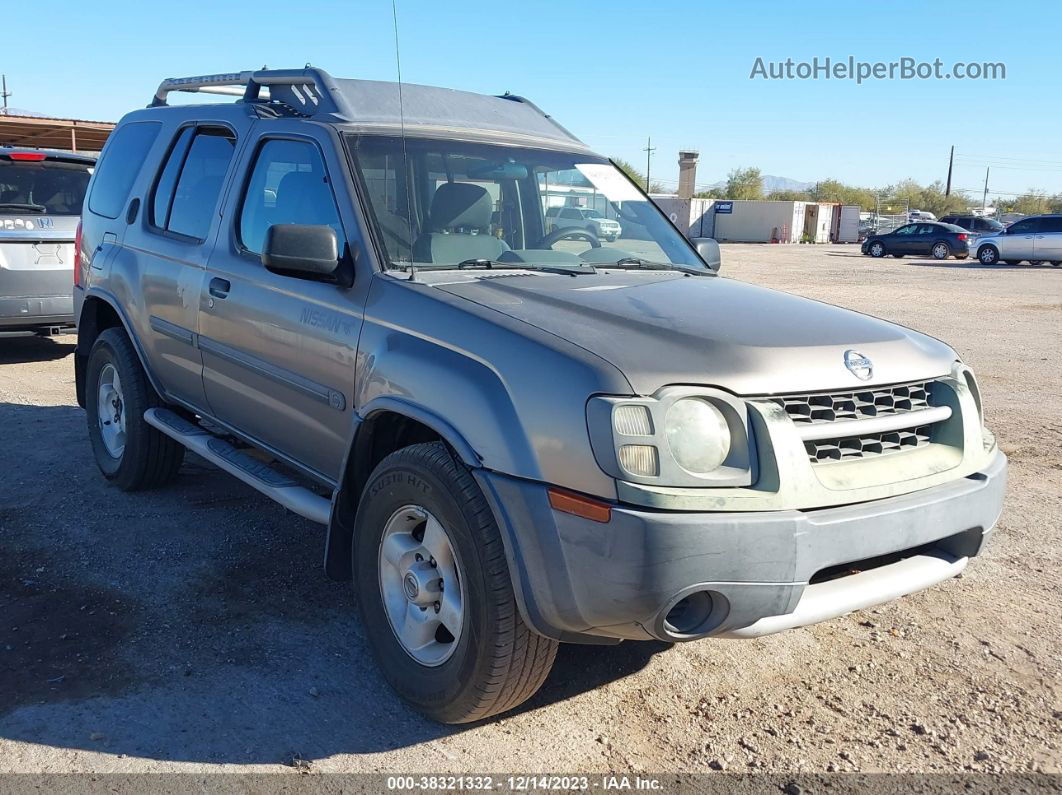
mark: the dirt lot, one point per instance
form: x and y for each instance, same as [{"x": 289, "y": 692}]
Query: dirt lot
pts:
[{"x": 193, "y": 629}]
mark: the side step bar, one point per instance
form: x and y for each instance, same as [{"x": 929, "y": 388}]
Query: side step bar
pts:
[{"x": 256, "y": 474}]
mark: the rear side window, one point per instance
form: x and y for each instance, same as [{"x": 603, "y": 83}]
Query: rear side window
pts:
[
  {"x": 1052, "y": 224},
  {"x": 190, "y": 183},
  {"x": 288, "y": 186},
  {"x": 125, "y": 156}
]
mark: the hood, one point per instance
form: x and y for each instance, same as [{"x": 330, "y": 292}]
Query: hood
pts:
[{"x": 662, "y": 327}]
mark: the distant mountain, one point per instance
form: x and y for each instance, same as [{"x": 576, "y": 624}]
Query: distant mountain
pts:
[{"x": 771, "y": 183}]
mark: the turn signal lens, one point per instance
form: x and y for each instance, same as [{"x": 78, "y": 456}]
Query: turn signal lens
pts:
[
  {"x": 640, "y": 459},
  {"x": 577, "y": 505},
  {"x": 632, "y": 421}
]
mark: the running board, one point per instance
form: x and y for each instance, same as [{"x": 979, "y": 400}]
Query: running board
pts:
[{"x": 256, "y": 474}]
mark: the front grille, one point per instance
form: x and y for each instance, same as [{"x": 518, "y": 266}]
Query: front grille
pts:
[
  {"x": 822, "y": 408},
  {"x": 874, "y": 444},
  {"x": 856, "y": 405}
]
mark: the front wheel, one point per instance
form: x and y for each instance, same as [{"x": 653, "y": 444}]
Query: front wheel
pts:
[
  {"x": 941, "y": 251},
  {"x": 435, "y": 593},
  {"x": 988, "y": 255},
  {"x": 128, "y": 451},
  {"x": 876, "y": 249}
]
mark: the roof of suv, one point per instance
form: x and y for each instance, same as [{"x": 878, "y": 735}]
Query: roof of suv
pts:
[{"x": 378, "y": 106}]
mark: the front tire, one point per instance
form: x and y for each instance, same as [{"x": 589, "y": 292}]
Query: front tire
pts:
[
  {"x": 435, "y": 593},
  {"x": 941, "y": 250},
  {"x": 128, "y": 451},
  {"x": 988, "y": 255},
  {"x": 876, "y": 249}
]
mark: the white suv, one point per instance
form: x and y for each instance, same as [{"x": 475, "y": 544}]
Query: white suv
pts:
[{"x": 583, "y": 218}]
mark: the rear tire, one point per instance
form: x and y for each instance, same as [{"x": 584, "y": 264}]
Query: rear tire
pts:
[
  {"x": 128, "y": 451},
  {"x": 941, "y": 250},
  {"x": 495, "y": 661}
]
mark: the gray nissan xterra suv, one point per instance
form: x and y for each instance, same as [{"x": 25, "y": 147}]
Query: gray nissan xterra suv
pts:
[{"x": 344, "y": 293}]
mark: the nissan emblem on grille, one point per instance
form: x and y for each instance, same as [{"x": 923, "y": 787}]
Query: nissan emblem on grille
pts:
[{"x": 859, "y": 365}]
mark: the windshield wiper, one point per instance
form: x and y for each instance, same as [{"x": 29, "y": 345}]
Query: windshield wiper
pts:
[
  {"x": 490, "y": 264},
  {"x": 33, "y": 208},
  {"x": 637, "y": 263}
]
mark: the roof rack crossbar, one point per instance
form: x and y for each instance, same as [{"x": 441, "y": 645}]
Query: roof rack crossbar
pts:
[{"x": 309, "y": 91}]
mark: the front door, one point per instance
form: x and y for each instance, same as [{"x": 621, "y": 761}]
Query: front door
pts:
[
  {"x": 279, "y": 350},
  {"x": 902, "y": 240},
  {"x": 1019, "y": 242}
]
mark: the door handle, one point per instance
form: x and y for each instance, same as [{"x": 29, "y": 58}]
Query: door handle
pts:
[{"x": 219, "y": 288}]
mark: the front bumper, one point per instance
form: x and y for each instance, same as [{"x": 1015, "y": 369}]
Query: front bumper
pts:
[{"x": 579, "y": 580}]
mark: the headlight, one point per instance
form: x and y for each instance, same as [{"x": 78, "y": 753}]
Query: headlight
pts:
[
  {"x": 681, "y": 436},
  {"x": 697, "y": 435}
]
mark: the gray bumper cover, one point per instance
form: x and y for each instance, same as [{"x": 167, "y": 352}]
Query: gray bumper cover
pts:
[{"x": 581, "y": 580}]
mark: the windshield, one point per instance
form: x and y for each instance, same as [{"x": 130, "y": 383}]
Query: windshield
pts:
[
  {"x": 446, "y": 203},
  {"x": 42, "y": 186}
]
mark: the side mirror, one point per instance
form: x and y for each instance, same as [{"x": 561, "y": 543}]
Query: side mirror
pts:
[
  {"x": 310, "y": 250},
  {"x": 708, "y": 250}
]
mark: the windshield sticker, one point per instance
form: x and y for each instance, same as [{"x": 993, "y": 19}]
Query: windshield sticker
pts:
[{"x": 610, "y": 181}]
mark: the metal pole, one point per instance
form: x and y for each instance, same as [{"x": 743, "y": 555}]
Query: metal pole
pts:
[
  {"x": 951, "y": 161},
  {"x": 649, "y": 149},
  {"x": 984, "y": 198},
  {"x": 3, "y": 91}
]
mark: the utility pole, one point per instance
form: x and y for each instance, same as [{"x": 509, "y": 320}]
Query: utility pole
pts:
[
  {"x": 984, "y": 198},
  {"x": 649, "y": 149},
  {"x": 951, "y": 161},
  {"x": 3, "y": 91}
]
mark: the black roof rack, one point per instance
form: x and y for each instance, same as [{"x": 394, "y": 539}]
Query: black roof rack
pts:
[
  {"x": 309, "y": 91},
  {"x": 379, "y": 106}
]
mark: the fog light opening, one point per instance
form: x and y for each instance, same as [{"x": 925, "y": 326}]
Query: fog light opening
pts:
[{"x": 689, "y": 614}]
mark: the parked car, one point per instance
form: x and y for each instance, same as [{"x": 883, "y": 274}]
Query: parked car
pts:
[
  {"x": 976, "y": 224},
  {"x": 41, "y": 192},
  {"x": 1036, "y": 239},
  {"x": 583, "y": 218},
  {"x": 934, "y": 239},
  {"x": 920, "y": 215},
  {"x": 511, "y": 446}
]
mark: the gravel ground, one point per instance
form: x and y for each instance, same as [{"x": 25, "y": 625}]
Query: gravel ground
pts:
[{"x": 193, "y": 629}]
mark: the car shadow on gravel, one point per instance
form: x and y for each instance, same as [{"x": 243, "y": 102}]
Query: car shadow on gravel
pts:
[
  {"x": 974, "y": 265},
  {"x": 192, "y": 623},
  {"x": 16, "y": 349}
]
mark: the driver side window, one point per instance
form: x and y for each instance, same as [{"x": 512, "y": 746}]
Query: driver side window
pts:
[
  {"x": 906, "y": 230},
  {"x": 289, "y": 185}
]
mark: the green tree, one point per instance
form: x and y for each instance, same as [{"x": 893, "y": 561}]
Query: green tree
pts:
[
  {"x": 789, "y": 196},
  {"x": 1031, "y": 202},
  {"x": 744, "y": 183},
  {"x": 637, "y": 176}
]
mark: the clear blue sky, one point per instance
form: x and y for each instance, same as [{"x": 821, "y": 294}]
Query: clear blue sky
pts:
[{"x": 614, "y": 73}]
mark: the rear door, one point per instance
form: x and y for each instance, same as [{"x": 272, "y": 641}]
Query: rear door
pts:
[
  {"x": 40, "y": 203},
  {"x": 1047, "y": 245},
  {"x": 172, "y": 240},
  {"x": 279, "y": 350}
]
